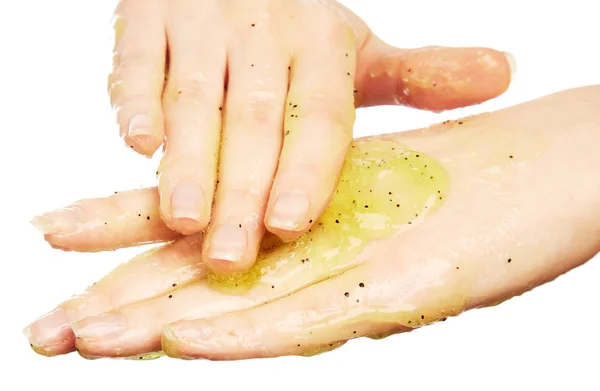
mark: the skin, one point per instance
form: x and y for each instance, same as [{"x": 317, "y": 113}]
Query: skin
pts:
[
  {"x": 246, "y": 88},
  {"x": 521, "y": 210}
]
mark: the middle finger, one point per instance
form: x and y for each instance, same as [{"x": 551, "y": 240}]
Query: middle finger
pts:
[{"x": 250, "y": 147}]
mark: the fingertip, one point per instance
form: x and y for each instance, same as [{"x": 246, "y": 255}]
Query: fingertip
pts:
[
  {"x": 186, "y": 339},
  {"x": 512, "y": 65},
  {"x": 169, "y": 343},
  {"x": 286, "y": 236},
  {"x": 144, "y": 134},
  {"x": 51, "y": 335},
  {"x": 185, "y": 207},
  {"x": 288, "y": 213},
  {"x": 229, "y": 248},
  {"x": 289, "y": 216}
]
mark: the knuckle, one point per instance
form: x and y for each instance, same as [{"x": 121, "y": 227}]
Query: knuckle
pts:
[
  {"x": 330, "y": 23},
  {"x": 259, "y": 110},
  {"x": 246, "y": 194},
  {"x": 191, "y": 89}
]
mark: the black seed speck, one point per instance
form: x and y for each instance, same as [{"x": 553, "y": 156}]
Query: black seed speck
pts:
[
  {"x": 253, "y": 24},
  {"x": 509, "y": 260},
  {"x": 356, "y": 91},
  {"x": 354, "y": 332},
  {"x": 239, "y": 225},
  {"x": 409, "y": 70},
  {"x": 310, "y": 221},
  {"x": 347, "y": 294},
  {"x": 294, "y": 106},
  {"x": 397, "y": 205},
  {"x": 287, "y": 132},
  {"x": 348, "y": 73},
  {"x": 330, "y": 344},
  {"x": 139, "y": 215},
  {"x": 422, "y": 316},
  {"x": 220, "y": 108},
  {"x": 511, "y": 156},
  {"x": 337, "y": 221},
  {"x": 170, "y": 296},
  {"x": 366, "y": 206},
  {"x": 298, "y": 345},
  {"x": 174, "y": 285},
  {"x": 410, "y": 321},
  {"x": 147, "y": 217},
  {"x": 457, "y": 268},
  {"x": 272, "y": 286},
  {"x": 105, "y": 223},
  {"x": 460, "y": 122},
  {"x": 361, "y": 285}
]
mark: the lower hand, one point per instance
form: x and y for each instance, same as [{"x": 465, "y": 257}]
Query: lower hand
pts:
[{"x": 476, "y": 229}]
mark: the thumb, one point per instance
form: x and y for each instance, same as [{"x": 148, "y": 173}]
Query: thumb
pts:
[{"x": 430, "y": 78}]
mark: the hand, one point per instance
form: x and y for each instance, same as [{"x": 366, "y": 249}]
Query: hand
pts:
[
  {"x": 474, "y": 231},
  {"x": 255, "y": 85}
]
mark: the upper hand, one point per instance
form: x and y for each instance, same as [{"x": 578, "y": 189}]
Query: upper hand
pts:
[{"x": 265, "y": 91}]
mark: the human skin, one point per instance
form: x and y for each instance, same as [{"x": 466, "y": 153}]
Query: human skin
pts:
[
  {"x": 246, "y": 88},
  {"x": 521, "y": 205}
]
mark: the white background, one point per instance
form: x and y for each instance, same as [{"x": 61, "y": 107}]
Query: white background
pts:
[{"x": 60, "y": 144}]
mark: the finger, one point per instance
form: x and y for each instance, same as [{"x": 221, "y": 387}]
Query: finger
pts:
[
  {"x": 192, "y": 102},
  {"x": 125, "y": 219},
  {"x": 318, "y": 130},
  {"x": 250, "y": 150},
  {"x": 136, "y": 329},
  {"x": 136, "y": 83},
  {"x": 319, "y": 318},
  {"x": 431, "y": 78},
  {"x": 155, "y": 272}
]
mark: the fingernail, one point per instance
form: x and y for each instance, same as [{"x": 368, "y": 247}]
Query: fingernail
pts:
[
  {"x": 48, "y": 329},
  {"x": 107, "y": 326},
  {"x": 188, "y": 200},
  {"x": 182, "y": 330},
  {"x": 290, "y": 211},
  {"x": 512, "y": 63},
  {"x": 228, "y": 243},
  {"x": 59, "y": 222},
  {"x": 140, "y": 126}
]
